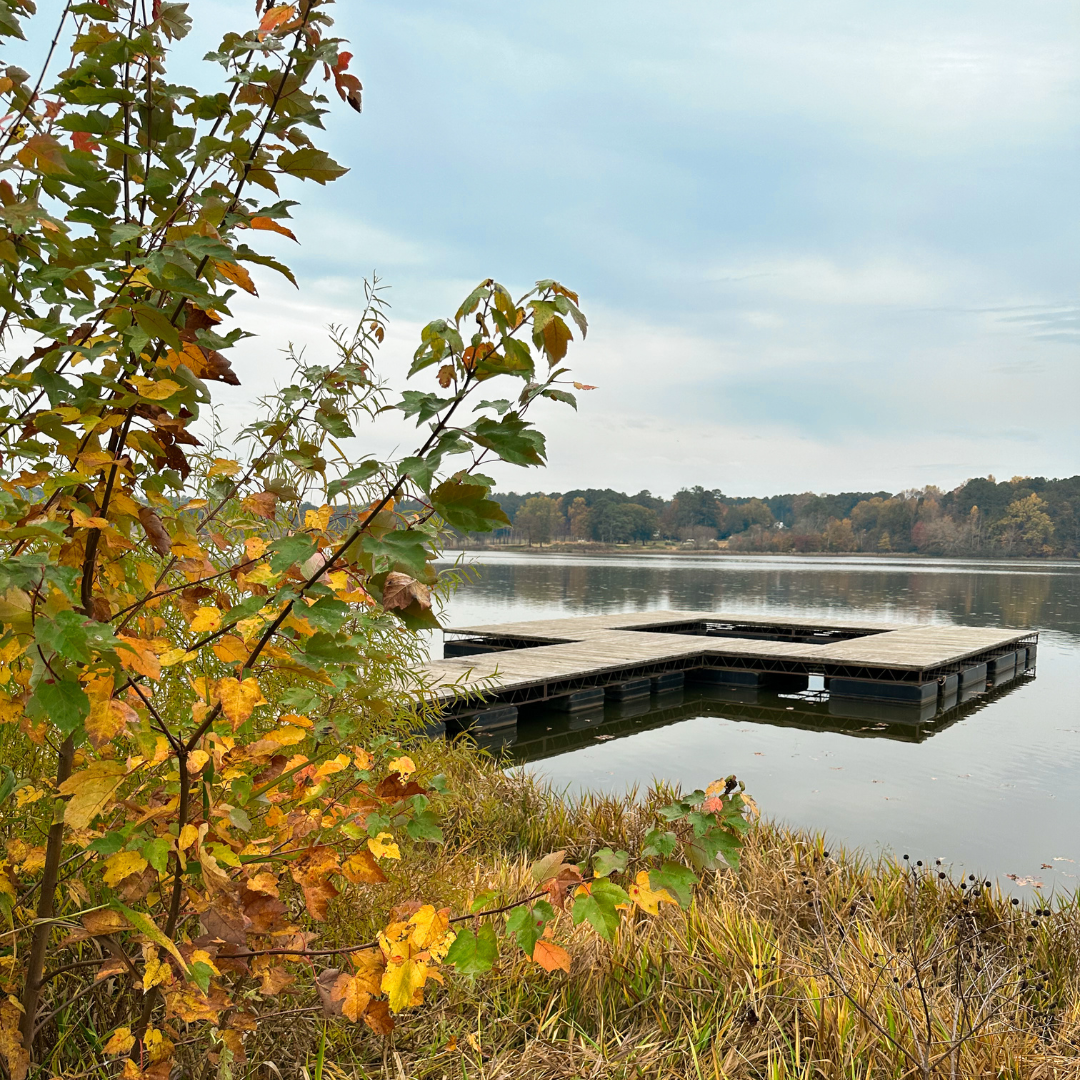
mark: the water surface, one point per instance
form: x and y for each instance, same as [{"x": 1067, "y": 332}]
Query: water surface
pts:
[{"x": 993, "y": 787}]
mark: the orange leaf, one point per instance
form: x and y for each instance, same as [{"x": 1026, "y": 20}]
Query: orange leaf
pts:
[
  {"x": 137, "y": 656},
  {"x": 44, "y": 153},
  {"x": 235, "y": 273},
  {"x": 551, "y": 956},
  {"x": 275, "y": 17},
  {"x": 270, "y": 225},
  {"x": 83, "y": 140}
]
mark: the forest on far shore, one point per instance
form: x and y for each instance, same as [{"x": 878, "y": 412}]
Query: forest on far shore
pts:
[{"x": 1023, "y": 516}]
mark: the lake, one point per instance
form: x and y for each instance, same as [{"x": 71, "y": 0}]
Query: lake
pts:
[{"x": 992, "y": 788}]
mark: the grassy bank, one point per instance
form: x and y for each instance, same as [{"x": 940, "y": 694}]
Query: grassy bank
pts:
[{"x": 806, "y": 963}]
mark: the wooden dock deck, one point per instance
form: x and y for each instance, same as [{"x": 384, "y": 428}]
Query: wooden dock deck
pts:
[{"x": 548, "y": 660}]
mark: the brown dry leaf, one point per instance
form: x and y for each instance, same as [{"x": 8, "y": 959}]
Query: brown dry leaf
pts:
[
  {"x": 551, "y": 956},
  {"x": 11, "y": 1047},
  {"x": 352, "y": 995},
  {"x": 105, "y": 921},
  {"x": 155, "y": 531},
  {"x": 189, "y": 1005},
  {"x": 261, "y": 504},
  {"x": 401, "y": 591},
  {"x": 325, "y": 982},
  {"x": 274, "y": 980},
  {"x": 378, "y": 1018}
]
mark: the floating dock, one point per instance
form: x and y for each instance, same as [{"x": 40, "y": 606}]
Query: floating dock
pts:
[{"x": 575, "y": 664}]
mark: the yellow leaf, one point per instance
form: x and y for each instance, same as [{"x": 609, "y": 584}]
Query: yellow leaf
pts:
[
  {"x": 188, "y": 835},
  {"x": 238, "y": 699},
  {"x": 80, "y": 521},
  {"x": 120, "y": 1042},
  {"x": 123, "y": 863},
  {"x": 352, "y": 995},
  {"x": 237, "y": 275},
  {"x": 155, "y": 971},
  {"x": 154, "y": 389},
  {"x": 196, "y": 762},
  {"x": 107, "y": 719},
  {"x": 230, "y": 649},
  {"x": 255, "y": 547},
  {"x": 201, "y": 956},
  {"x": 429, "y": 927},
  {"x": 286, "y": 736},
  {"x": 224, "y": 467},
  {"x": 175, "y": 656},
  {"x": 206, "y": 620},
  {"x": 402, "y": 765},
  {"x": 400, "y": 981},
  {"x": 317, "y": 519},
  {"x": 383, "y": 846},
  {"x": 90, "y": 790},
  {"x": 27, "y": 795},
  {"x": 646, "y": 898}
]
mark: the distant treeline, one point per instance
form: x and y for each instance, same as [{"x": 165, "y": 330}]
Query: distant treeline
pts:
[{"x": 1023, "y": 516}]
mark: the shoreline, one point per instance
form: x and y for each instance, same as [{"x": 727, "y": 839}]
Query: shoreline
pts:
[{"x": 629, "y": 550}]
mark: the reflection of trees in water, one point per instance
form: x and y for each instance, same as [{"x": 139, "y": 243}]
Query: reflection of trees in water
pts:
[{"x": 1043, "y": 600}]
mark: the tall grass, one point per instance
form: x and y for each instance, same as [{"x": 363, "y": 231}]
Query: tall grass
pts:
[{"x": 806, "y": 963}]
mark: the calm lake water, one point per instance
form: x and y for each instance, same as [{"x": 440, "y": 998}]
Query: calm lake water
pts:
[{"x": 992, "y": 788}]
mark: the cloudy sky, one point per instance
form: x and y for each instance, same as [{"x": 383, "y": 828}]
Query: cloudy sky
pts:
[{"x": 822, "y": 246}]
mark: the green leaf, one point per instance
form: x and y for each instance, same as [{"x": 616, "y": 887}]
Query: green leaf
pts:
[
  {"x": 598, "y": 907},
  {"x": 289, "y": 550},
  {"x": 678, "y": 880},
  {"x": 404, "y": 550},
  {"x": 482, "y": 900},
  {"x": 65, "y": 634},
  {"x": 474, "y": 953},
  {"x": 466, "y": 507},
  {"x": 425, "y": 826},
  {"x": 64, "y": 703},
  {"x": 154, "y": 323},
  {"x": 156, "y": 853},
  {"x": 661, "y": 844},
  {"x": 527, "y": 924},
  {"x": 511, "y": 438},
  {"x": 200, "y": 973},
  {"x": 324, "y": 648},
  {"x": 606, "y": 861},
  {"x": 707, "y": 851},
  {"x": 423, "y": 406},
  {"x": 310, "y": 164}
]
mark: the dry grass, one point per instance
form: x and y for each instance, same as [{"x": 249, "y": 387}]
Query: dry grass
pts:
[{"x": 805, "y": 964}]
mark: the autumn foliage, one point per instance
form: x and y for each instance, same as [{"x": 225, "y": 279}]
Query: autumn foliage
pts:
[{"x": 203, "y": 646}]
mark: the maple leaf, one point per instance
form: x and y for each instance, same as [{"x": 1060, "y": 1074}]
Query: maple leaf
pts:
[
  {"x": 107, "y": 719},
  {"x": 83, "y": 140},
  {"x": 551, "y": 956},
  {"x": 275, "y": 17},
  {"x": 378, "y": 1018},
  {"x": 362, "y": 868},
  {"x": 647, "y": 898},
  {"x": 352, "y": 995},
  {"x": 121, "y": 865},
  {"x": 44, "y": 153},
  {"x": 205, "y": 620},
  {"x": 402, "y": 765},
  {"x": 261, "y": 503},
  {"x": 383, "y": 847},
  {"x": 120, "y": 1042},
  {"x": 369, "y": 965},
  {"x": 401, "y": 591},
  {"x": 90, "y": 790},
  {"x": 274, "y": 980},
  {"x": 401, "y": 980},
  {"x": 238, "y": 699},
  {"x": 137, "y": 656}
]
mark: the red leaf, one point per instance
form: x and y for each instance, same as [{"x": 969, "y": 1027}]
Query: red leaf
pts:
[{"x": 83, "y": 140}]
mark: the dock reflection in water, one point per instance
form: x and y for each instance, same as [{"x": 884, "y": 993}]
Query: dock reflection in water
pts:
[{"x": 545, "y": 733}]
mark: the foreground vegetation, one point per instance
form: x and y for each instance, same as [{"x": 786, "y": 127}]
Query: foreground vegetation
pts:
[{"x": 808, "y": 962}]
